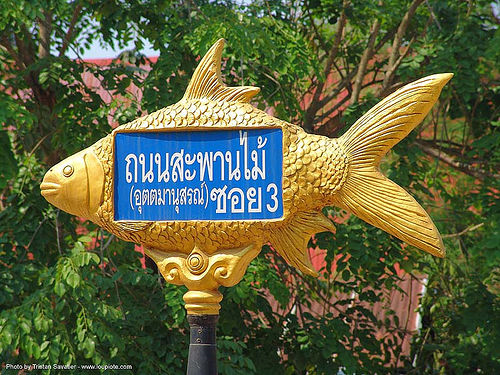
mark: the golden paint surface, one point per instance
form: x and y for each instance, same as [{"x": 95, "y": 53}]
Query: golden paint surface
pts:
[{"x": 317, "y": 172}]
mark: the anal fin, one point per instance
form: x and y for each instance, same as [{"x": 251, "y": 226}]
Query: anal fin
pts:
[{"x": 291, "y": 240}]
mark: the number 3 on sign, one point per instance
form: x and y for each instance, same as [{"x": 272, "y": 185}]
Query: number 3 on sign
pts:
[{"x": 273, "y": 197}]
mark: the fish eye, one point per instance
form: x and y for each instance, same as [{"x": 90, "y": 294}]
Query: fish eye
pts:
[{"x": 68, "y": 170}]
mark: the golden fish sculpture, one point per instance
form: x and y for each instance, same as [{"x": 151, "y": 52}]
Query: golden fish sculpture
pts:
[{"x": 316, "y": 172}]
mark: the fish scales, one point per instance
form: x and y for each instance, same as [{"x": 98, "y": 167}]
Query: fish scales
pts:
[
  {"x": 316, "y": 172},
  {"x": 307, "y": 162}
]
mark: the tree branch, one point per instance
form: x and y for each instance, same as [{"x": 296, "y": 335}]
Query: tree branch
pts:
[
  {"x": 45, "y": 29},
  {"x": 337, "y": 105},
  {"x": 463, "y": 167},
  {"x": 392, "y": 70},
  {"x": 344, "y": 83},
  {"x": 341, "y": 86},
  {"x": 367, "y": 55},
  {"x": 71, "y": 28},
  {"x": 4, "y": 41},
  {"x": 316, "y": 31},
  {"x": 331, "y": 126},
  {"x": 315, "y": 103},
  {"x": 24, "y": 51},
  {"x": 384, "y": 40},
  {"x": 449, "y": 147},
  {"x": 398, "y": 40},
  {"x": 468, "y": 229}
]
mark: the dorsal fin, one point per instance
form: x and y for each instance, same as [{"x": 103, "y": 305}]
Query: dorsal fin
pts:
[{"x": 207, "y": 82}]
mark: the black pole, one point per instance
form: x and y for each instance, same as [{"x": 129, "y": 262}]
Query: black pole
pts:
[{"x": 202, "y": 359}]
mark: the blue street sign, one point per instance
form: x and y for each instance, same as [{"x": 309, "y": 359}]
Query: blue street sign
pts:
[{"x": 198, "y": 175}]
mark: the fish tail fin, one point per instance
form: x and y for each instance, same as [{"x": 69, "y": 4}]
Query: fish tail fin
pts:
[{"x": 370, "y": 195}]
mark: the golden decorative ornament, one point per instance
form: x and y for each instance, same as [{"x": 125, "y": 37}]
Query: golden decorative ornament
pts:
[
  {"x": 197, "y": 262},
  {"x": 317, "y": 172}
]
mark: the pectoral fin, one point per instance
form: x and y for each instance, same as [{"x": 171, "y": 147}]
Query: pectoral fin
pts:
[
  {"x": 132, "y": 226},
  {"x": 291, "y": 241}
]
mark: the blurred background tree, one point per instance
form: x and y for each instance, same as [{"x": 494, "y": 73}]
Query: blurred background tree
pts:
[{"x": 71, "y": 293}]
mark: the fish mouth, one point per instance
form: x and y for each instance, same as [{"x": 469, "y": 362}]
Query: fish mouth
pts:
[{"x": 49, "y": 188}]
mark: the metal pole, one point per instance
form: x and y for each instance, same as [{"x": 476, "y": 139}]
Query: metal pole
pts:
[{"x": 202, "y": 359}]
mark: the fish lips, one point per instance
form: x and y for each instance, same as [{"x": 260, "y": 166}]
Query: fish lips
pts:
[
  {"x": 49, "y": 188},
  {"x": 56, "y": 194}
]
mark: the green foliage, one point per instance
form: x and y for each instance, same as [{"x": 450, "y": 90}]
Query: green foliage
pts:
[
  {"x": 84, "y": 298},
  {"x": 8, "y": 167}
]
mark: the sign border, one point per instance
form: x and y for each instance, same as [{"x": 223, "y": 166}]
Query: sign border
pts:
[{"x": 195, "y": 129}]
